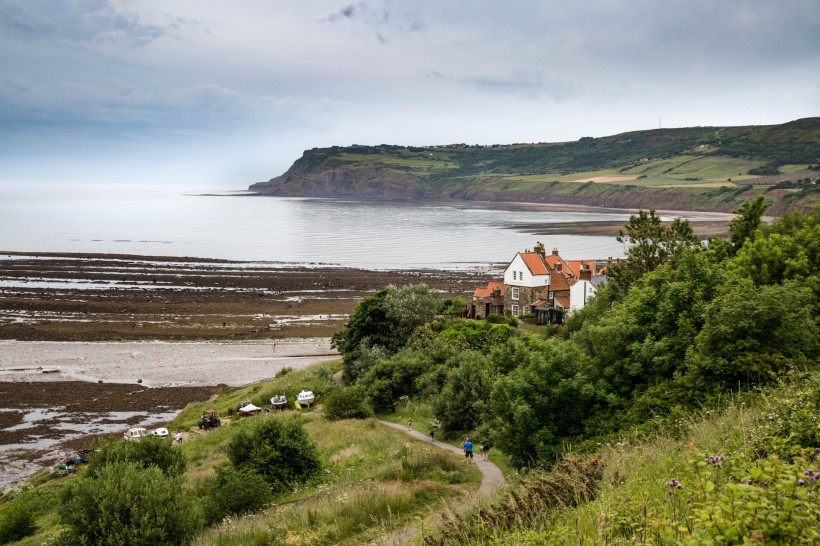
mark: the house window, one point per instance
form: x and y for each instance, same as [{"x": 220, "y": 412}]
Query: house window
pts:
[
  {"x": 515, "y": 275},
  {"x": 515, "y": 293},
  {"x": 525, "y": 310},
  {"x": 515, "y": 310}
]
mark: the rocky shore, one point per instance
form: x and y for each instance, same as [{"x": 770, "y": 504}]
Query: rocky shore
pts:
[{"x": 132, "y": 340}]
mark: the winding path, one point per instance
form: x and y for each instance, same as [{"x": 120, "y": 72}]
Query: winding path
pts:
[{"x": 491, "y": 476}]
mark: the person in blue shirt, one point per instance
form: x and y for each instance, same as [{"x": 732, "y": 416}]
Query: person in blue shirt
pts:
[{"x": 468, "y": 450}]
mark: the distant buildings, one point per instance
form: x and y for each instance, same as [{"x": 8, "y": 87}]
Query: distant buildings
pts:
[{"x": 541, "y": 285}]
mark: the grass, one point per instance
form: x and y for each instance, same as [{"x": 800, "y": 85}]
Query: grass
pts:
[
  {"x": 315, "y": 378},
  {"x": 374, "y": 480},
  {"x": 633, "y": 502}
]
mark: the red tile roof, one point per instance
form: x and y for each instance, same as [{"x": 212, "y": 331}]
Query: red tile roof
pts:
[
  {"x": 562, "y": 301},
  {"x": 558, "y": 283},
  {"x": 487, "y": 291},
  {"x": 535, "y": 263}
]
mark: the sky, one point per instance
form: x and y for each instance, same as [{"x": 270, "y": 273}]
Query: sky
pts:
[{"x": 221, "y": 94}]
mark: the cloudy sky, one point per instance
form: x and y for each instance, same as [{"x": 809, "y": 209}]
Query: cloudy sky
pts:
[{"x": 224, "y": 93}]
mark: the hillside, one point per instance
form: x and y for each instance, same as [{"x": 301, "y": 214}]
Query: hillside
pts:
[{"x": 698, "y": 168}]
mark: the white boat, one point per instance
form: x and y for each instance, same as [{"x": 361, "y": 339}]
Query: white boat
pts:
[
  {"x": 305, "y": 398},
  {"x": 249, "y": 409},
  {"x": 160, "y": 432},
  {"x": 134, "y": 434},
  {"x": 278, "y": 402}
]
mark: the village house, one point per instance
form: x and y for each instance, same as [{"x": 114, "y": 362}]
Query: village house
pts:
[
  {"x": 540, "y": 285},
  {"x": 487, "y": 300}
]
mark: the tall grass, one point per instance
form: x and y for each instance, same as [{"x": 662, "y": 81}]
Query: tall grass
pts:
[{"x": 665, "y": 488}]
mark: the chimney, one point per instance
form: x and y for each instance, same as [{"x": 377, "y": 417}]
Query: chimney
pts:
[
  {"x": 558, "y": 267},
  {"x": 555, "y": 251},
  {"x": 539, "y": 248},
  {"x": 586, "y": 272}
]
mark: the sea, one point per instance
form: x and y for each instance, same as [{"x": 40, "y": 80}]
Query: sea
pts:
[{"x": 162, "y": 221}]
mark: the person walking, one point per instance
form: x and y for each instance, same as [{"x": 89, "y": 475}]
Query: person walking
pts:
[
  {"x": 178, "y": 437},
  {"x": 432, "y": 434},
  {"x": 485, "y": 449},
  {"x": 468, "y": 450},
  {"x": 410, "y": 424}
]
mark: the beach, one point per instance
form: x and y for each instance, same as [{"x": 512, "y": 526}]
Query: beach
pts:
[{"x": 93, "y": 344}]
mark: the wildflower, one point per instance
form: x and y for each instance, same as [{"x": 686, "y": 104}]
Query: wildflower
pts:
[
  {"x": 674, "y": 483},
  {"x": 716, "y": 460},
  {"x": 801, "y": 481}
]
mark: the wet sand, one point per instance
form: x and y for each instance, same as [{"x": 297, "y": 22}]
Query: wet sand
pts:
[{"x": 131, "y": 340}]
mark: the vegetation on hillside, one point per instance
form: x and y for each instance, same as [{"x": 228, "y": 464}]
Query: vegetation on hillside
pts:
[
  {"x": 679, "y": 406},
  {"x": 699, "y": 168}
]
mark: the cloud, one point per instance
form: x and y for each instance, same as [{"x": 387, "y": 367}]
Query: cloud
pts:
[{"x": 79, "y": 21}]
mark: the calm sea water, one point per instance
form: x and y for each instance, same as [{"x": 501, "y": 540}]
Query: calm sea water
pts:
[{"x": 370, "y": 235}]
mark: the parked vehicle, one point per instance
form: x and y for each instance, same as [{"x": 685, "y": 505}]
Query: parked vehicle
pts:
[
  {"x": 305, "y": 398},
  {"x": 209, "y": 419},
  {"x": 279, "y": 402}
]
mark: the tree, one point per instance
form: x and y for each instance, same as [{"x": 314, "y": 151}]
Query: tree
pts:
[
  {"x": 649, "y": 244},
  {"x": 744, "y": 226},
  {"x": 462, "y": 403},
  {"x": 235, "y": 492},
  {"x": 382, "y": 324},
  {"x": 125, "y": 503},
  {"x": 407, "y": 308},
  {"x": 368, "y": 324},
  {"x": 149, "y": 451},
  {"x": 276, "y": 448}
]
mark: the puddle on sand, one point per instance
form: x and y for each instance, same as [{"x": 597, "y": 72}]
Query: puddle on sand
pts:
[{"x": 33, "y": 451}]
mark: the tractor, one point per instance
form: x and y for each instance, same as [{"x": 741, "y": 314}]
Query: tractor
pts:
[{"x": 209, "y": 419}]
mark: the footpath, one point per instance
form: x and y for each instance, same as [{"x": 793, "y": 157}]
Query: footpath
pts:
[{"x": 491, "y": 476}]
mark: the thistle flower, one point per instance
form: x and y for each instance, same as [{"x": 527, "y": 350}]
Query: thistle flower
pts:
[
  {"x": 801, "y": 481},
  {"x": 674, "y": 483}
]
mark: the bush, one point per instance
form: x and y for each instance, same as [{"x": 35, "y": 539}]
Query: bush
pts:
[
  {"x": 494, "y": 318},
  {"x": 277, "y": 449},
  {"x": 125, "y": 503},
  {"x": 16, "y": 522},
  {"x": 349, "y": 403},
  {"x": 149, "y": 451},
  {"x": 235, "y": 492}
]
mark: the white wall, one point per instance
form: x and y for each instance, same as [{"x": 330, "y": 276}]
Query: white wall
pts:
[
  {"x": 579, "y": 294},
  {"x": 522, "y": 270}
]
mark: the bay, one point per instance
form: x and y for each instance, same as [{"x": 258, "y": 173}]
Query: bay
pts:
[{"x": 153, "y": 221}]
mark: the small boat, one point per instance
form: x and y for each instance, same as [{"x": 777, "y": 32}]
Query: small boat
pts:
[
  {"x": 279, "y": 402},
  {"x": 160, "y": 432},
  {"x": 50, "y": 370},
  {"x": 249, "y": 409},
  {"x": 305, "y": 398},
  {"x": 134, "y": 434}
]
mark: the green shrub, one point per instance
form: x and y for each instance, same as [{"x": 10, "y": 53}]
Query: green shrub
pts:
[
  {"x": 125, "y": 503},
  {"x": 276, "y": 448},
  {"x": 350, "y": 403},
  {"x": 494, "y": 318},
  {"x": 234, "y": 492},
  {"x": 149, "y": 451},
  {"x": 16, "y": 522}
]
